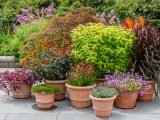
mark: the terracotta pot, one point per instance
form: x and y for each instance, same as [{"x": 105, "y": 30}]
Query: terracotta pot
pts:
[
  {"x": 102, "y": 106},
  {"x": 80, "y": 95},
  {"x": 23, "y": 92},
  {"x": 45, "y": 100},
  {"x": 148, "y": 95},
  {"x": 126, "y": 100},
  {"x": 99, "y": 80},
  {"x": 62, "y": 88}
]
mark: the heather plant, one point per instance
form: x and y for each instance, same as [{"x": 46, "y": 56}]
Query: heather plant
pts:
[
  {"x": 124, "y": 82},
  {"x": 49, "y": 58},
  {"x": 44, "y": 88},
  {"x": 103, "y": 92},
  {"x": 11, "y": 81},
  {"x": 109, "y": 19},
  {"x": 108, "y": 48},
  {"x": 81, "y": 74}
]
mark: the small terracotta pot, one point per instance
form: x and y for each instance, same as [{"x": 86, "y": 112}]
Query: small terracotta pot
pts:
[
  {"x": 62, "y": 88},
  {"x": 148, "y": 95},
  {"x": 23, "y": 92},
  {"x": 99, "y": 80},
  {"x": 126, "y": 100},
  {"x": 45, "y": 100},
  {"x": 102, "y": 106},
  {"x": 80, "y": 95}
]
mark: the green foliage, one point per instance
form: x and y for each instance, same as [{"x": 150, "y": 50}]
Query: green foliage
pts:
[
  {"x": 10, "y": 8},
  {"x": 149, "y": 8},
  {"x": 10, "y": 43},
  {"x": 126, "y": 8},
  {"x": 99, "y": 5},
  {"x": 103, "y": 92},
  {"x": 45, "y": 88},
  {"x": 107, "y": 47}
]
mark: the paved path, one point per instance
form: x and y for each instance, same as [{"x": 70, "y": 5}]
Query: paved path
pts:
[{"x": 16, "y": 109}]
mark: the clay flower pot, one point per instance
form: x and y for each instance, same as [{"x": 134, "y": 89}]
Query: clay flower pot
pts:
[
  {"x": 126, "y": 100},
  {"x": 80, "y": 95},
  {"x": 62, "y": 88},
  {"x": 148, "y": 95},
  {"x": 45, "y": 100},
  {"x": 23, "y": 92},
  {"x": 102, "y": 106}
]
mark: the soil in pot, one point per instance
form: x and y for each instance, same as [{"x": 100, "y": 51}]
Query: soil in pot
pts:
[
  {"x": 147, "y": 96},
  {"x": 80, "y": 95},
  {"x": 45, "y": 100},
  {"x": 62, "y": 88},
  {"x": 102, "y": 106},
  {"x": 99, "y": 80},
  {"x": 126, "y": 100},
  {"x": 23, "y": 92}
]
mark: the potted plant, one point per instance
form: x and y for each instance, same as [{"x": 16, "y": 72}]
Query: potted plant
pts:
[
  {"x": 18, "y": 82},
  {"x": 45, "y": 95},
  {"x": 51, "y": 60},
  {"x": 128, "y": 85},
  {"x": 103, "y": 98},
  {"x": 80, "y": 82},
  {"x": 108, "y": 48},
  {"x": 145, "y": 54}
]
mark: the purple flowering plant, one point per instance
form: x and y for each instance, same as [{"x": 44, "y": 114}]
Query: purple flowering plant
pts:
[
  {"x": 12, "y": 80},
  {"x": 28, "y": 15},
  {"x": 124, "y": 82}
]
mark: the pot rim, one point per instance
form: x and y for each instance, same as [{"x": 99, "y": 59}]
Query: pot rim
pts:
[
  {"x": 103, "y": 99},
  {"x": 77, "y": 87},
  {"x": 44, "y": 93},
  {"x": 54, "y": 81}
]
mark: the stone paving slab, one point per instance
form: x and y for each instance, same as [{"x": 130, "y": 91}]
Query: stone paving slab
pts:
[
  {"x": 3, "y": 116},
  {"x": 123, "y": 116},
  {"x": 32, "y": 116}
]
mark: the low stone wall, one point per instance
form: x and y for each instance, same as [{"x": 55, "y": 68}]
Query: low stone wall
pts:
[{"x": 8, "y": 62}]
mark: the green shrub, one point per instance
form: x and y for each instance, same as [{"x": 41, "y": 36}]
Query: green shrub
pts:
[
  {"x": 103, "y": 92},
  {"x": 149, "y": 8},
  {"x": 99, "y": 5},
  {"x": 107, "y": 47},
  {"x": 126, "y": 8},
  {"x": 45, "y": 88}
]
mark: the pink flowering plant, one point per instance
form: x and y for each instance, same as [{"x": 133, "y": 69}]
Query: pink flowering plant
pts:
[
  {"x": 10, "y": 81},
  {"x": 124, "y": 82}
]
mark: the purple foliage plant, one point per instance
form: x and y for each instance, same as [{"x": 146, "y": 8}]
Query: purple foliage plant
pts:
[{"x": 10, "y": 81}]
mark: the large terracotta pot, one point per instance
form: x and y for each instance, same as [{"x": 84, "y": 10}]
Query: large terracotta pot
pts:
[
  {"x": 62, "y": 88},
  {"x": 148, "y": 95},
  {"x": 80, "y": 95},
  {"x": 23, "y": 92},
  {"x": 45, "y": 100},
  {"x": 126, "y": 100},
  {"x": 102, "y": 106}
]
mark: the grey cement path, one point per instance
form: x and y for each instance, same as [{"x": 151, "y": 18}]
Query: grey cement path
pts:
[{"x": 16, "y": 109}]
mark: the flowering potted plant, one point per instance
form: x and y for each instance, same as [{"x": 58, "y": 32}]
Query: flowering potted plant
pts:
[
  {"x": 45, "y": 95},
  {"x": 18, "y": 82},
  {"x": 103, "y": 98},
  {"x": 128, "y": 85},
  {"x": 51, "y": 60},
  {"x": 80, "y": 82},
  {"x": 108, "y": 48}
]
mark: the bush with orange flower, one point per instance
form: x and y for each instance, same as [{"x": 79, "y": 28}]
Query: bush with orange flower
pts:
[
  {"x": 49, "y": 58},
  {"x": 81, "y": 74}
]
